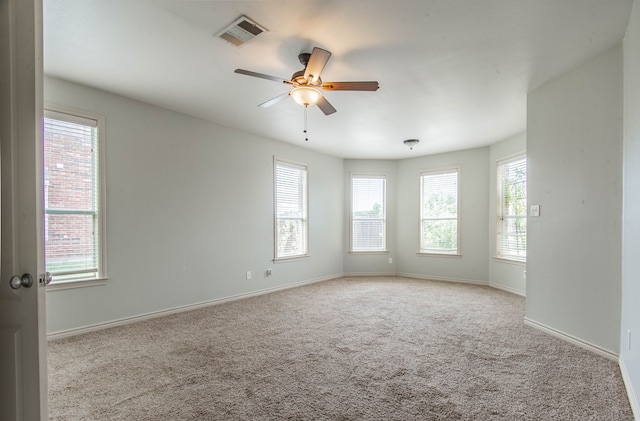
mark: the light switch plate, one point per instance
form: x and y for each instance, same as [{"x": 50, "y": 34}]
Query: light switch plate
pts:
[{"x": 534, "y": 210}]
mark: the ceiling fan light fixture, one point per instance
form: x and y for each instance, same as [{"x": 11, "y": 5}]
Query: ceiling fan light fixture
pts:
[
  {"x": 411, "y": 143},
  {"x": 306, "y": 95}
]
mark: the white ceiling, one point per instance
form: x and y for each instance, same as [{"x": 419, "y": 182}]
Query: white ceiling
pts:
[{"x": 452, "y": 73}]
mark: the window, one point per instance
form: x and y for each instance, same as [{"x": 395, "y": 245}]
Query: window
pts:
[
  {"x": 439, "y": 232},
  {"x": 74, "y": 240},
  {"x": 512, "y": 209},
  {"x": 368, "y": 213},
  {"x": 291, "y": 222}
]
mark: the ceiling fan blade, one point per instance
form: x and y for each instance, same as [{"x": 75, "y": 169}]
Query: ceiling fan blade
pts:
[
  {"x": 274, "y": 100},
  {"x": 350, "y": 86},
  {"x": 262, "y": 76},
  {"x": 325, "y": 106},
  {"x": 317, "y": 61}
]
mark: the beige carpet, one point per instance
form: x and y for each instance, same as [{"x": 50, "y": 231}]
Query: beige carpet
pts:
[{"x": 346, "y": 349}]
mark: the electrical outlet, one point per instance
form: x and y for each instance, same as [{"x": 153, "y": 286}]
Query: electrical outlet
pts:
[
  {"x": 534, "y": 210},
  {"x": 524, "y": 274},
  {"x": 248, "y": 275},
  {"x": 390, "y": 260},
  {"x": 269, "y": 272}
]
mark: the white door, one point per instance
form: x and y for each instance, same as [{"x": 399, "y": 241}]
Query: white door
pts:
[{"x": 23, "y": 364}]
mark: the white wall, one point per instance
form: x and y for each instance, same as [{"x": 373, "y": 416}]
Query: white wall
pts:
[
  {"x": 502, "y": 274},
  {"x": 371, "y": 263},
  {"x": 574, "y": 151},
  {"x": 630, "y": 353},
  {"x": 474, "y": 214},
  {"x": 189, "y": 211}
]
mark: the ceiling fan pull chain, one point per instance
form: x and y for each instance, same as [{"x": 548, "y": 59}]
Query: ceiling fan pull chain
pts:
[{"x": 306, "y": 137}]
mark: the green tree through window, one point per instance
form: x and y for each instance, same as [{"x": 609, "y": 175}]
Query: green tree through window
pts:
[
  {"x": 512, "y": 210},
  {"x": 368, "y": 219},
  {"x": 439, "y": 212}
]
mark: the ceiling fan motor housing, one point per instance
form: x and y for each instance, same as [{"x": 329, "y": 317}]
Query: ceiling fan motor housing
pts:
[{"x": 304, "y": 58}]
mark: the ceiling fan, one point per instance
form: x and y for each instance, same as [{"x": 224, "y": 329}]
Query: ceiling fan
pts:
[{"x": 307, "y": 84}]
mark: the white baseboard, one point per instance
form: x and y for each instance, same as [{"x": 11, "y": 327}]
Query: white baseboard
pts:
[
  {"x": 443, "y": 279},
  {"x": 440, "y": 278},
  {"x": 180, "y": 309},
  {"x": 572, "y": 339},
  {"x": 465, "y": 281},
  {"x": 359, "y": 274},
  {"x": 633, "y": 400},
  {"x": 508, "y": 289}
]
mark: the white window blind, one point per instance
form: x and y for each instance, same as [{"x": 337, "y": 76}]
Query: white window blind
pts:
[
  {"x": 290, "y": 210},
  {"x": 368, "y": 213},
  {"x": 512, "y": 209},
  {"x": 71, "y": 187},
  {"x": 439, "y": 212}
]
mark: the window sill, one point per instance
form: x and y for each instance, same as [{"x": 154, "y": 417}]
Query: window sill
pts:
[
  {"x": 291, "y": 259},
  {"x": 60, "y": 285},
  {"x": 455, "y": 256},
  {"x": 369, "y": 252},
  {"x": 510, "y": 261}
]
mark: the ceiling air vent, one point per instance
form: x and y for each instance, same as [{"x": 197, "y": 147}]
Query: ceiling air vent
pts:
[{"x": 241, "y": 31}]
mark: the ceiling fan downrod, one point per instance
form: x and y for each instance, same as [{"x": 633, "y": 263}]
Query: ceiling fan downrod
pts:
[{"x": 306, "y": 136}]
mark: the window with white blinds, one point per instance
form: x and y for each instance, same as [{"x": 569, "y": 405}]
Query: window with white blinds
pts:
[
  {"x": 73, "y": 220},
  {"x": 368, "y": 213},
  {"x": 291, "y": 222},
  {"x": 511, "y": 226},
  {"x": 439, "y": 232}
]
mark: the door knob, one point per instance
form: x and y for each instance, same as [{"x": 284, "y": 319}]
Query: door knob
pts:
[{"x": 21, "y": 281}]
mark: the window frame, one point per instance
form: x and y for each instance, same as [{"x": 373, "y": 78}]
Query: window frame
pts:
[
  {"x": 59, "y": 112},
  {"x": 305, "y": 208},
  {"x": 368, "y": 175},
  {"x": 499, "y": 208},
  {"x": 442, "y": 170}
]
